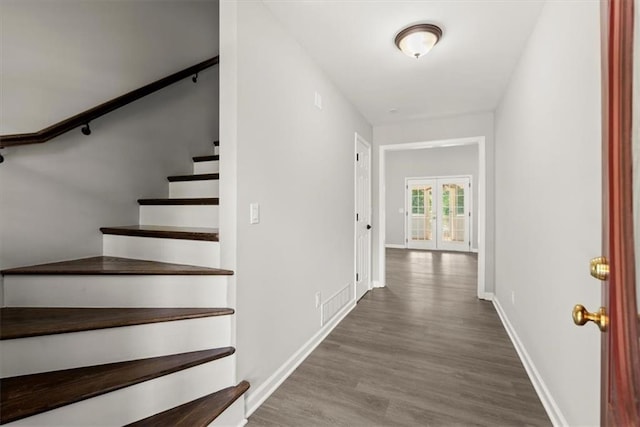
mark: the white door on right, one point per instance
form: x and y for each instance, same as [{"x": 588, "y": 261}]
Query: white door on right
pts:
[
  {"x": 438, "y": 213},
  {"x": 453, "y": 214}
]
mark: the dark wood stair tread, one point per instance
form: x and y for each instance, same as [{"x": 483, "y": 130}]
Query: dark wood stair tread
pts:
[
  {"x": 114, "y": 265},
  {"x": 28, "y": 395},
  {"x": 197, "y": 413},
  {"x": 196, "y": 201},
  {"x": 22, "y": 322},
  {"x": 206, "y": 158},
  {"x": 195, "y": 177},
  {"x": 165, "y": 232}
]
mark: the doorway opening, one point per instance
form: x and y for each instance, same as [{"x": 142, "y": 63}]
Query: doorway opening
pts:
[{"x": 479, "y": 207}]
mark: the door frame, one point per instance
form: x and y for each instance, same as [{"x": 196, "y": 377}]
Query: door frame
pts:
[
  {"x": 469, "y": 201},
  {"x": 482, "y": 202},
  {"x": 359, "y": 138}
]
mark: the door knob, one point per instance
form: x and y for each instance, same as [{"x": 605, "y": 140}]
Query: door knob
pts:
[
  {"x": 599, "y": 268},
  {"x": 368, "y": 226},
  {"x": 582, "y": 316}
]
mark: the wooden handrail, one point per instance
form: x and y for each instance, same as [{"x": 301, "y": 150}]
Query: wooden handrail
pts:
[{"x": 93, "y": 113}]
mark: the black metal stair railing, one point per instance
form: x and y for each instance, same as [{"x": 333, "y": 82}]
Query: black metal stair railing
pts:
[{"x": 84, "y": 118}]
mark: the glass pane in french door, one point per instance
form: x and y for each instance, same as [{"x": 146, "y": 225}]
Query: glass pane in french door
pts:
[
  {"x": 421, "y": 212},
  {"x": 453, "y": 213}
]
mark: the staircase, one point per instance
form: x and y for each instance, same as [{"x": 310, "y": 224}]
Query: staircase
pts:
[{"x": 140, "y": 336}]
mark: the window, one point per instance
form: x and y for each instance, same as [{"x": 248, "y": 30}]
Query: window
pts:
[{"x": 417, "y": 201}]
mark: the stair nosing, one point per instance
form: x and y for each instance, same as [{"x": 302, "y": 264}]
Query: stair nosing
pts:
[
  {"x": 211, "y": 158},
  {"x": 159, "y": 418},
  {"x": 203, "y": 201},
  {"x": 162, "y": 234},
  {"x": 50, "y": 380},
  {"x": 55, "y": 318},
  {"x": 72, "y": 268},
  {"x": 195, "y": 177}
]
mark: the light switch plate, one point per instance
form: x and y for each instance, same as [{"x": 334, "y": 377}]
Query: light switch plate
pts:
[{"x": 254, "y": 213}]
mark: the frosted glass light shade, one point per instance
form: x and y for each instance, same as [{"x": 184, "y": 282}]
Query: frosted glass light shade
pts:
[{"x": 417, "y": 40}]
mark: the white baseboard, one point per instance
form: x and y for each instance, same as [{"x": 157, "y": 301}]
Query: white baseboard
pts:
[
  {"x": 487, "y": 296},
  {"x": 549, "y": 403},
  {"x": 391, "y": 245},
  {"x": 377, "y": 284},
  {"x": 266, "y": 389}
]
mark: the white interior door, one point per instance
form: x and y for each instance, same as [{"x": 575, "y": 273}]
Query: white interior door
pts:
[
  {"x": 421, "y": 213},
  {"x": 363, "y": 217},
  {"x": 438, "y": 213}
]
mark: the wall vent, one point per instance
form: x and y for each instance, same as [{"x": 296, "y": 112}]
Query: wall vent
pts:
[{"x": 334, "y": 304}]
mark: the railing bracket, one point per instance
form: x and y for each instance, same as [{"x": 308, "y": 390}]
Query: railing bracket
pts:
[
  {"x": 1, "y": 158},
  {"x": 86, "y": 129},
  {"x": 195, "y": 78}
]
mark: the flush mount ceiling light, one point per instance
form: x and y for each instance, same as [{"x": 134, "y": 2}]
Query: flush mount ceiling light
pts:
[{"x": 416, "y": 40}]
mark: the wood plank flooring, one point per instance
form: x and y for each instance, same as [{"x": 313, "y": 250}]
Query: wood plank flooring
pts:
[{"x": 424, "y": 351}]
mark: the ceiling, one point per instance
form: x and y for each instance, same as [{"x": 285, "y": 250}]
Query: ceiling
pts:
[{"x": 467, "y": 71}]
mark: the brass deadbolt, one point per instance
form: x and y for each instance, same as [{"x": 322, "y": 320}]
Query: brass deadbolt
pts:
[{"x": 599, "y": 268}]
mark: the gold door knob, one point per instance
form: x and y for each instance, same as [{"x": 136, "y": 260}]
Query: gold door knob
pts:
[
  {"x": 599, "y": 268},
  {"x": 582, "y": 316}
]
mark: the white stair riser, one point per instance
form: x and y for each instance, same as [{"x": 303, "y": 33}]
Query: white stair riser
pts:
[
  {"x": 194, "y": 189},
  {"x": 206, "y": 167},
  {"x": 115, "y": 291},
  {"x": 139, "y": 401},
  {"x": 180, "y": 215},
  {"x": 51, "y": 352},
  {"x": 192, "y": 252},
  {"x": 233, "y": 416}
]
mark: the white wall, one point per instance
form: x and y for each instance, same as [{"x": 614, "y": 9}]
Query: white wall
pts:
[
  {"x": 296, "y": 161},
  {"x": 548, "y": 205},
  {"x": 61, "y": 57},
  {"x": 480, "y": 124},
  {"x": 430, "y": 162}
]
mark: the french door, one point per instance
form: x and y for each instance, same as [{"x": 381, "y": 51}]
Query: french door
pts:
[{"x": 437, "y": 213}]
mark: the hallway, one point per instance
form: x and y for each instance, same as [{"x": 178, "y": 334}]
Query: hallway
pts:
[{"x": 422, "y": 351}]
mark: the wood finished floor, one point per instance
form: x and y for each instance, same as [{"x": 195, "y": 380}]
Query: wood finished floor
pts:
[{"x": 424, "y": 351}]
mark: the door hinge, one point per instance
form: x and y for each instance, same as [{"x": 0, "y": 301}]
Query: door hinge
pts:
[
  {"x": 357, "y": 157},
  {"x": 357, "y": 217},
  {"x": 357, "y": 277}
]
